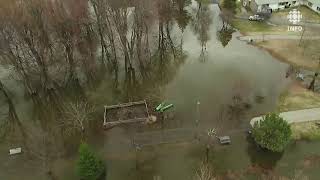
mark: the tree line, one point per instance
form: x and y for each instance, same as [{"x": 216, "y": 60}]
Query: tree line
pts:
[{"x": 54, "y": 45}]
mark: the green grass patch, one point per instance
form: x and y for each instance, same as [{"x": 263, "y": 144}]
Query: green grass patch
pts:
[
  {"x": 246, "y": 26},
  {"x": 250, "y": 26}
]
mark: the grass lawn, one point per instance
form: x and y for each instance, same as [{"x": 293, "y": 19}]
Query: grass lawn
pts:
[
  {"x": 300, "y": 98},
  {"x": 297, "y": 97},
  {"x": 305, "y": 131},
  {"x": 305, "y": 55},
  {"x": 245, "y": 26},
  {"x": 307, "y": 14}
]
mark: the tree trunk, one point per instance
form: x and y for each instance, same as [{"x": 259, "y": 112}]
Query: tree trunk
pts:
[
  {"x": 13, "y": 116},
  {"x": 312, "y": 84}
]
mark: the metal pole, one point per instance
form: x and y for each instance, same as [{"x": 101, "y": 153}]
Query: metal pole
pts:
[
  {"x": 137, "y": 164},
  {"x": 137, "y": 148},
  {"x": 198, "y": 114},
  {"x": 207, "y": 152},
  {"x": 197, "y": 120}
]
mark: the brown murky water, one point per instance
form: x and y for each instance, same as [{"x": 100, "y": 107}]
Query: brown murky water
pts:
[{"x": 232, "y": 81}]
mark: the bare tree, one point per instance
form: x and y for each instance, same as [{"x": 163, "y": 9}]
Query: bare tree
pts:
[
  {"x": 205, "y": 172},
  {"x": 76, "y": 117},
  {"x": 316, "y": 74}
]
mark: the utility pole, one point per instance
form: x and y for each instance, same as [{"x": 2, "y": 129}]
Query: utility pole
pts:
[
  {"x": 197, "y": 120},
  {"x": 198, "y": 114},
  {"x": 137, "y": 148},
  {"x": 207, "y": 153}
]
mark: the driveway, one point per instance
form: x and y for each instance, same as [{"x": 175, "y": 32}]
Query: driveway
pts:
[{"x": 298, "y": 116}]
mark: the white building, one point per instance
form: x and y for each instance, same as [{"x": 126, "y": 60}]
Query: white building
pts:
[
  {"x": 314, "y": 5},
  {"x": 275, "y": 5}
]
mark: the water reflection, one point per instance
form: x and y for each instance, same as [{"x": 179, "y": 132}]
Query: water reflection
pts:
[
  {"x": 151, "y": 51},
  {"x": 201, "y": 21},
  {"x": 181, "y": 15},
  {"x": 262, "y": 158},
  {"x": 225, "y": 35}
]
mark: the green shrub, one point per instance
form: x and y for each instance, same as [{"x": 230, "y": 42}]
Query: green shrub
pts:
[
  {"x": 272, "y": 133},
  {"x": 89, "y": 166}
]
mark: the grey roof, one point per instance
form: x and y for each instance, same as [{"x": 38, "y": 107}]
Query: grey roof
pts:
[
  {"x": 275, "y": 1},
  {"x": 314, "y": 1}
]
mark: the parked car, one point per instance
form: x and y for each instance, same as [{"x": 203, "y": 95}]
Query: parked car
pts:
[{"x": 256, "y": 18}]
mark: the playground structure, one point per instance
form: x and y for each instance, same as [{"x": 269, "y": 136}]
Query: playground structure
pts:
[
  {"x": 138, "y": 112},
  {"x": 132, "y": 112}
]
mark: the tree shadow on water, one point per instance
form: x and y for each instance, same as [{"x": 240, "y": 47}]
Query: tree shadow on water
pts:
[
  {"x": 262, "y": 159},
  {"x": 225, "y": 36}
]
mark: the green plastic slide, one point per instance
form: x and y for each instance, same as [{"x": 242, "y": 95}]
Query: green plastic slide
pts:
[
  {"x": 158, "y": 108},
  {"x": 162, "y": 107},
  {"x": 166, "y": 107}
]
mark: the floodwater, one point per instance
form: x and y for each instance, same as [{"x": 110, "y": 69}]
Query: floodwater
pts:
[{"x": 220, "y": 84}]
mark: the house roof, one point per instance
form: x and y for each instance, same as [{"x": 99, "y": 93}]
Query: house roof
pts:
[
  {"x": 314, "y": 1},
  {"x": 259, "y": 2}
]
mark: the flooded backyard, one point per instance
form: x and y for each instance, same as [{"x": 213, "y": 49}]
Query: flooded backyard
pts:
[{"x": 218, "y": 82}]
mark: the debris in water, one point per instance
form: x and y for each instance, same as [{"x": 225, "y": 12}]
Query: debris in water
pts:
[
  {"x": 152, "y": 119},
  {"x": 15, "y": 151},
  {"x": 224, "y": 139},
  {"x": 300, "y": 76}
]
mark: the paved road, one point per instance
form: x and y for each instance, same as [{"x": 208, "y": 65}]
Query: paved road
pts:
[
  {"x": 272, "y": 37},
  {"x": 304, "y": 115}
]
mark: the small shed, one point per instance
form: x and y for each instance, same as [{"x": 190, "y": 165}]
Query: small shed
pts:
[{"x": 224, "y": 139}]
